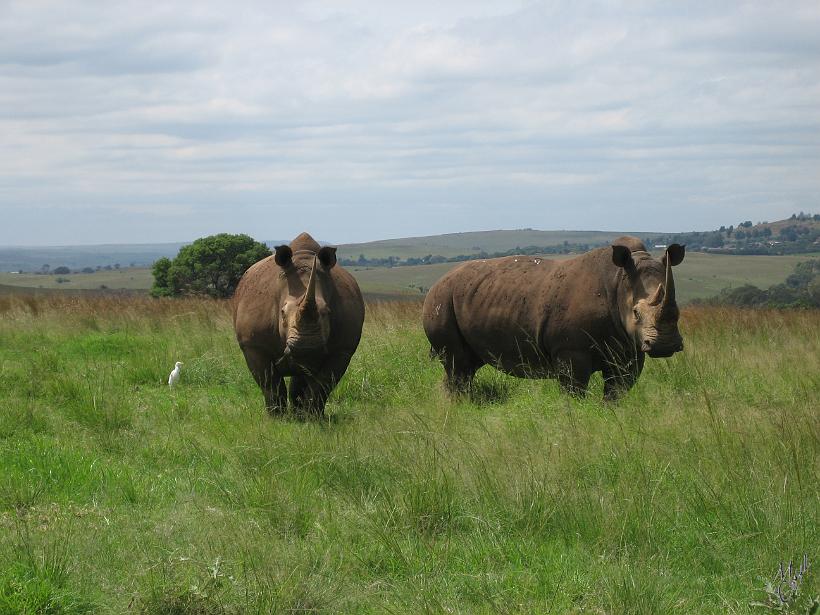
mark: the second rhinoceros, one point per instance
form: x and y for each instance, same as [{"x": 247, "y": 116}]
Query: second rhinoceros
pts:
[{"x": 538, "y": 318}]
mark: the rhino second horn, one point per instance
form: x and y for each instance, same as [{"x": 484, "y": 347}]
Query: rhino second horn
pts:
[{"x": 657, "y": 296}]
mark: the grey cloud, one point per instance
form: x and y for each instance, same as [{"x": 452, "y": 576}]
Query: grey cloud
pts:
[
  {"x": 471, "y": 114},
  {"x": 86, "y": 43}
]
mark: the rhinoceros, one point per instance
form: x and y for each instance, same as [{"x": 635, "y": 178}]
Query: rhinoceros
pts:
[
  {"x": 298, "y": 314},
  {"x": 538, "y": 318}
]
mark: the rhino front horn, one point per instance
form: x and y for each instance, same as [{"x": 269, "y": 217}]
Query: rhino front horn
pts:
[
  {"x": 669, "y": 295},
  {"x": 309, "y": 302}
]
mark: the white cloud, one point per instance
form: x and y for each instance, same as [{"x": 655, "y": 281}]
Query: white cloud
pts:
[{"x": 544, "y": 114}]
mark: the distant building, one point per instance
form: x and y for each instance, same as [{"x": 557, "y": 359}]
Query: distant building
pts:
[{"x": 659, "y": 245}]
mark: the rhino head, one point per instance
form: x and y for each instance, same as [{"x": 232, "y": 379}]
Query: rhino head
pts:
[
  {"x": 304, "y": 315},
  {"x": 646, "y": 298}
]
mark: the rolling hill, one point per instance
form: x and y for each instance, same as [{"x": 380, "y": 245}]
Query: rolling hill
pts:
[{"x": 455, "y": 244}]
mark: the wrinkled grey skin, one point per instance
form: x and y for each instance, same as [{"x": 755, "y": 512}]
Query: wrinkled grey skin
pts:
[
  {"x": 298, "y": 315},
  {"x": 540, "y": 318}
]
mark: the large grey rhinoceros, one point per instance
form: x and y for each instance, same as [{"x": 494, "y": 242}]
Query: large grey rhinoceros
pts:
[
  {"x": 298, "y": 314},
  {"x": 539, "y": 318}
]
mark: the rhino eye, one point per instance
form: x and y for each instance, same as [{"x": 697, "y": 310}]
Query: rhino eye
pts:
[{"x": 637, "y": 314}]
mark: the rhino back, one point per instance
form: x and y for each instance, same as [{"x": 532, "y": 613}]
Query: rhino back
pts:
[
  {"x": 517, "y": 312},
  {"x": 347, "y": 309},
  {"x": 256, "y": 302}
]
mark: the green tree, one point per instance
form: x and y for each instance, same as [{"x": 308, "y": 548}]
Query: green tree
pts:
[
  {"x": 813, "y": 292},
  {"x": 162, "y": 285},
  {"x": 804, "y": 274},
  {"x": 713, "y": 240},
  {"x": 210, "y": 266}
]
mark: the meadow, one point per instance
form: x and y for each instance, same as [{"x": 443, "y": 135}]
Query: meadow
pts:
[
  {"x": 699, "y": 276},
  {"x": 118, "y": 495},
  {"x": 137, "y": 278}
]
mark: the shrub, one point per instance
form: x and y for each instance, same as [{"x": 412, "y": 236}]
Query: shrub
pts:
[{"x": 209, "y": 266}]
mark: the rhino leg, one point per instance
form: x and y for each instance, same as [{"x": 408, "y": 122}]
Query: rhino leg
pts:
[
  {"x": 261, "y": 366},
  {"x": 276, "y": 398},
  {"x": 309, "y": 392},
  {"x": 621, "y": 376},
  {"x": 574, "y": 371},
  {"x": 303, "y": 394},
  {"x": 458, "y": 359},
  {"x": 459, "y": 369},
  {"x": 447, "y": 343}
]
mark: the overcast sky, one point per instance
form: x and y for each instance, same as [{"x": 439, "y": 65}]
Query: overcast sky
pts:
[{"x": 357, "y": 120}]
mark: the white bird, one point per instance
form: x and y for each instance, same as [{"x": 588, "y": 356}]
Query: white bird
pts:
[{"x": 174, "y": 376}]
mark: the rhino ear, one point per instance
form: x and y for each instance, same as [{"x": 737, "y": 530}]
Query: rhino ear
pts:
[
  {"x": 327, "y": 256},
  {"x": 284, "y": 256},
  {"x": 675, "y": 254},
  {"x": 622, "y": 257}
]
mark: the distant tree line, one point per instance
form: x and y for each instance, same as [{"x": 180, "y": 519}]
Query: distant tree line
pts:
[
  {"x": 432, "y": 259},
  {"x": 63, "y": 270},
  {"x": 800, "y": 290},
  {"x": 799, "y": 237}
]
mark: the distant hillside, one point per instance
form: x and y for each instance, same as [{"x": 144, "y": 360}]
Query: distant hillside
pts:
[
  {"x": 32, "y": 258},
  {"x": 78, "y": 257},
  {"x": 489, "y": 242},
  {"x": 800, "y": 290},
  {"x": 799, "y": 234}
]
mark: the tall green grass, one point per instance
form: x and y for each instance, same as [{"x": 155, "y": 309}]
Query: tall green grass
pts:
[{"x": 119, "y": 495}]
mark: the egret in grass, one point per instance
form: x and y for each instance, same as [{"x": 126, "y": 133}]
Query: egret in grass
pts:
[{"x": 174, "y": 376}]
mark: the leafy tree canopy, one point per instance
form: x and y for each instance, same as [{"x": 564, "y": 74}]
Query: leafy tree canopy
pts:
[{"x": 210, "y": 266}]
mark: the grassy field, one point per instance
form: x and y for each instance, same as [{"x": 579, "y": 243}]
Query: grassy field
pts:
[
  {"x": 130, "y": 279},
  {"x": 120, "y": 496},
  {"x": 700, "y": 275},
  {"x": 31, "y": 258}
]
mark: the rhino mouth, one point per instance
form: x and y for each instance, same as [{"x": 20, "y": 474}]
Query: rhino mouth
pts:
[
  {"x": 306, "y": 341},
  {"x": 661, "y": 352}
]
